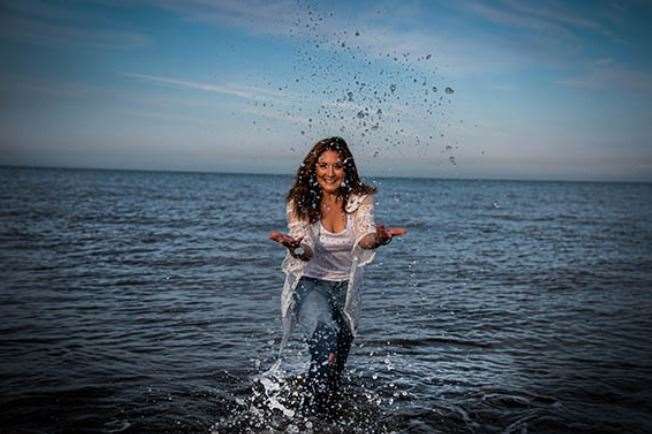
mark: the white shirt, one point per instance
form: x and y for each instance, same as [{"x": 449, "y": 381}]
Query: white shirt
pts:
[
  {"x": 361, "y": 210},
  {"x": 332, "y": 257}
]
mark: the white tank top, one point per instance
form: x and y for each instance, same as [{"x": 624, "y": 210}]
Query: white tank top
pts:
[{"x": 332, "y": 257}]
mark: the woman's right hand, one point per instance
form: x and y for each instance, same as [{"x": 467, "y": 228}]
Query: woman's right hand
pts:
[
  {"x": 292, "y": 244},
  {"x": 285, "y": 240}
]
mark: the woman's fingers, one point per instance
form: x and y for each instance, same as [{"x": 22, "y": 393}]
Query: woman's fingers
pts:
[
  {"x": 285, "y": 239},
  {"x": 384, "y": 232},
  {"x": 397, "y": 232},
  {"x": 277, "y": 236},
  {"x": 385, "y": 235}
]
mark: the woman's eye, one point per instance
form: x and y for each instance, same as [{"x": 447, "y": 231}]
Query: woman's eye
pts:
[{"x": 336, "y": 166}]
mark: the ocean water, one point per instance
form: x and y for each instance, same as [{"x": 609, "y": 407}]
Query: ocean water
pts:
[{"x": 138, "y": 302}]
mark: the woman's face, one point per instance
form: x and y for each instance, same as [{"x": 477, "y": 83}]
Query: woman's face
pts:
[{"x": 329, "y": 171}]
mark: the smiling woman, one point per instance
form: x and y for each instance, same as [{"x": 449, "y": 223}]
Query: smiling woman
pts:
[{"x": 332, "y": 235}]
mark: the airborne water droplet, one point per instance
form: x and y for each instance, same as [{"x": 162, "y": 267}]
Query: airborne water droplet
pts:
[
  {"x": 392, "y": 87},
  {"x": 449, "y": 90}
]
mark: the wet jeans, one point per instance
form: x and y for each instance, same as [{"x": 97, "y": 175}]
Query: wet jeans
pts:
[{"x": 319, "y": 312}]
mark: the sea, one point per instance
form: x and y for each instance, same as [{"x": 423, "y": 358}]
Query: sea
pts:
[{"x": 149, "y": 302}]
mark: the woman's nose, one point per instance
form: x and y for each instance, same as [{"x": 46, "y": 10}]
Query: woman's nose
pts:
[{"x": 331, "y": 170}]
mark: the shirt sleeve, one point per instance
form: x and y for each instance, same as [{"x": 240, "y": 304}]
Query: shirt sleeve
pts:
[
  {"x": 366, "y": 224},
  {"x": 298, "y": 228}
]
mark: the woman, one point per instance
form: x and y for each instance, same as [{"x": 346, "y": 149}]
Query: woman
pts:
[{"x": 332, "y": 235}]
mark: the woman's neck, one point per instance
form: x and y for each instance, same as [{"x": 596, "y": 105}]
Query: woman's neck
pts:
[
  {"x": 329, "y": 198},
  {"x": 329, "y": 201}
]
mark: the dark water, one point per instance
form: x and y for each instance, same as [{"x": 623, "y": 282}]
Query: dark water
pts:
[{"x": 149, "y": 302}]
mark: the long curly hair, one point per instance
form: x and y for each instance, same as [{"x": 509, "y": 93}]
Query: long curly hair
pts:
[{"x": 306, "y": 193}]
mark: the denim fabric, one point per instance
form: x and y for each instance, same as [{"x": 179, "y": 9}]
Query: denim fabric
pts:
[{"x": 319, "y": 305}]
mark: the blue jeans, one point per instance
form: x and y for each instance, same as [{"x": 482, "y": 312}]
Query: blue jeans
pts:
[{"x": 319, "y": 307}]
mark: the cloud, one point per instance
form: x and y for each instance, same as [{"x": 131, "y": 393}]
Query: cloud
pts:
[
  {"x": 382, "y": 29},
  {"x": 604, "y": 74},
  {"x": 556, "y": 19},
  {"x": 255, "y": 16},
  {"x": 241, "y": 91}
]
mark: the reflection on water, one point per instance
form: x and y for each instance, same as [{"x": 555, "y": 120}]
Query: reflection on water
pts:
[{"x": 149, "y": 302}]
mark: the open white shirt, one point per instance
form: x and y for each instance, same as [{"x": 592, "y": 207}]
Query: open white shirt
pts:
[{"x": 360, "y": 209}]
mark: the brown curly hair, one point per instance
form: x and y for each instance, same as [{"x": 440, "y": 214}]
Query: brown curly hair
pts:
[{"x": 306, "y": 193}]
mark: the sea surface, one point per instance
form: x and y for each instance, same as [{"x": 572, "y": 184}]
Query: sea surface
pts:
[{"x": 138, "y": 302}]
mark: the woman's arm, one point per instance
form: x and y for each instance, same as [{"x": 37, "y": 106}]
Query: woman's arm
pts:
[
  {"x": 294, "y": 245},
  {"x": 298, "y": 241},
  {"x": 380, "y": 235}
]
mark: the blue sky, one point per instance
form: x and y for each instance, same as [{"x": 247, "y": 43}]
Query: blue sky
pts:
[{"x": 470, "y": 89}]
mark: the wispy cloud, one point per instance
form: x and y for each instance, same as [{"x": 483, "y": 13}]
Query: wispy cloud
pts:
[
  {"x": 255, "y": 16},
  {"x": 554, "y": 18},
  {"x": 241, "y": 91},
  {"x": 604, "y": 74},
  {"x": 374, "y": 36}
]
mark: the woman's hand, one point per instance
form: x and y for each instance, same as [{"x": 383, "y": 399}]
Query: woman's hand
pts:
[
  {"x": 381, "y": 237},
  {"x": 292, "y": 244},
  {"x": 384, "y": 235}
]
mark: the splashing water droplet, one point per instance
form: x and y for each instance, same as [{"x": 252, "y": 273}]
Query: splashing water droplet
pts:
[
  {"x": 392, "y": 87},
  {"x": 449, "y": 90},
  {"x": 360, "y": 114},
  {"x": 434, "y": 88}
]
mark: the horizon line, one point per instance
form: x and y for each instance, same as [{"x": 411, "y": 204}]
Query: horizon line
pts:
[{"x": 217, "y": 172}]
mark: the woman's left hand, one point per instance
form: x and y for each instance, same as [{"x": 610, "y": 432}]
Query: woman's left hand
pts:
[{"x": 384, "y": 235}]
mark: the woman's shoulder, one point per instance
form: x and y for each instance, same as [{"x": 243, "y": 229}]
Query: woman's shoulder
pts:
[{"x": 355, "y": 200}]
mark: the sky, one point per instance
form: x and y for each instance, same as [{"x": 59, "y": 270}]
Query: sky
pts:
[{"x": 550, "y": 90}]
